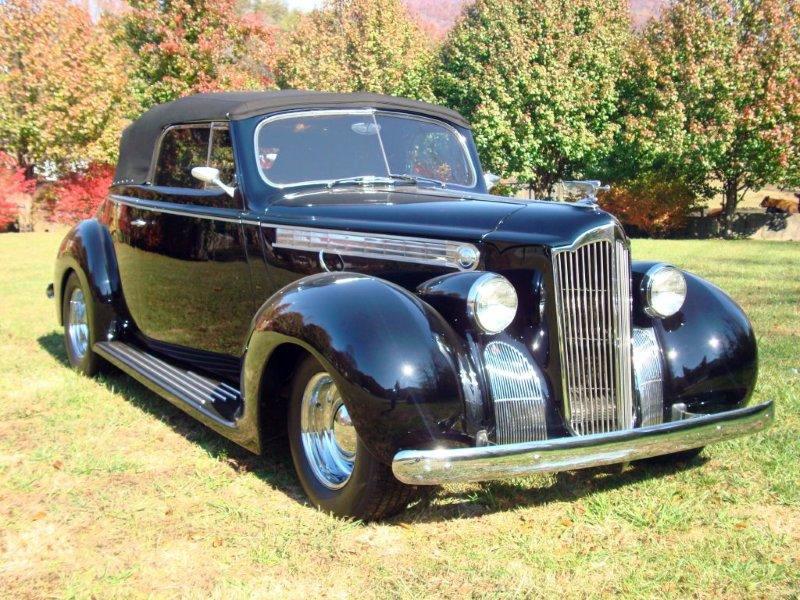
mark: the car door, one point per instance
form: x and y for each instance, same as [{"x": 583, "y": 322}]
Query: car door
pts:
[{"x": 180, "y": 247}]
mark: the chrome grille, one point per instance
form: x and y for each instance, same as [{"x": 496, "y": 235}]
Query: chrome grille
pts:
[
  {"x": 648, "y": 375},
  {"x": 592, "y": 291},
  {"x": 517, "y": 393}
]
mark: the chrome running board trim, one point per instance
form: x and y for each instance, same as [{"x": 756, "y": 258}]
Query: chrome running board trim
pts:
[
  {"x": 441, "y": 466},
  {"x": 186, "y": 389}
]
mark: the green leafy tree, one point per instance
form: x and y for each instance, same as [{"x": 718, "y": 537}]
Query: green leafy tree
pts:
[
  {"x": 358, "y": 45},
  {"x": 186, "y": 46},
  {"x": 538, "y": 81},
  {"x": 63, "y": 89},
  {"x": 712, "y": 95}
]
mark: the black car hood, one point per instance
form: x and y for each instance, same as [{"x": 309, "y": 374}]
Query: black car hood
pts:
[{"x": 436, "y": 213}]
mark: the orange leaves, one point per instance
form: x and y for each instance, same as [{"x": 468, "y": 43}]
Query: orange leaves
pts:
[
  {"x": 652, "y": 204},
  {"x": 64, "y": 96}
]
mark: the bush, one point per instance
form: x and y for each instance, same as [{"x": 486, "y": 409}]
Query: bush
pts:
[
  {"x": 652, "y": 204},
  {"x": 79, "y": 194},
  {"x": 14, "y": 190}
]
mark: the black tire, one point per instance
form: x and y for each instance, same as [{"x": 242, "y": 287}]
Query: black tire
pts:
[
  {"x": 88, "y": 363},
  {"x": 676, "y": 457},
  {"x": 371, "y": 493}
]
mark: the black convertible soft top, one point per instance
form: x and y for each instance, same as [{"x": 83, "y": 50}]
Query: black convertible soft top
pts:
[{"x": 140, "y": 137}]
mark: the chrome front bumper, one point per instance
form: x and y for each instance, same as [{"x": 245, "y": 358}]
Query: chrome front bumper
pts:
[{"x": 435, "y": 467}]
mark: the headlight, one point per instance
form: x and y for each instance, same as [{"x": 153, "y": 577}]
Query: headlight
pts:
[
  {"x": 664, "y": 291},
  {"x": 492, "y": 302}
]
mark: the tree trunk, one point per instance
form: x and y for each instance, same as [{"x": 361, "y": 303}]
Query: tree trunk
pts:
[{"x": 731, "y": 192}]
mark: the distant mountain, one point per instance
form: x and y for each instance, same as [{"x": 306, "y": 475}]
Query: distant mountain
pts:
[{"x": 438, "y": 16}]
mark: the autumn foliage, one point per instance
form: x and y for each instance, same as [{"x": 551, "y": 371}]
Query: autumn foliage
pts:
[
  {"x": 64, "y": 94},
  {"x": 79, "y": 194},
  {"x": 186, "y": 46},
  {"x": 358, "y": 45},
  {"x": 653, "y": 204},
  {"x": 13, "y": 186}
]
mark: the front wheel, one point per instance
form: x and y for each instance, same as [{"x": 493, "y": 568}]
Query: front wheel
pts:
[
  {"x": 78, "y": 335},
  {"x": 336, "y": 470}
]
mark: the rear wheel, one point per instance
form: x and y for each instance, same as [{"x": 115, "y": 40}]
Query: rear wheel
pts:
[
  {"x": 336, "y": 470},
  {"x": 78, "y": 335}
]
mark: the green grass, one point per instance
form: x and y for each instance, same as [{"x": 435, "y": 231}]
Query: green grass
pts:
[{"x": 108, "y": 491}]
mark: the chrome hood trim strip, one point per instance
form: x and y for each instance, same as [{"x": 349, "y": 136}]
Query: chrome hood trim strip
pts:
[{"x": 379, "y": 246}]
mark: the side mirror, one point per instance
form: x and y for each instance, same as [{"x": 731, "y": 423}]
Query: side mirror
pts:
[
  {"x": 211, "y": 175},
  {"x": 490, "y": 179}
]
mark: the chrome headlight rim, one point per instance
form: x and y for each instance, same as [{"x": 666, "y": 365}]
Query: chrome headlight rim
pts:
[
  {"x": 650, "y": 279},
  {"x": 473, "y": 303}
]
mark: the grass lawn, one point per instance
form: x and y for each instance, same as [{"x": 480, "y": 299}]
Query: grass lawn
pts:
[{"x": 106, "y": 490}]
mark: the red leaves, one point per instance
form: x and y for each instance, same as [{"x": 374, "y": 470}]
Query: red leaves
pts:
[
  {"x": 79, "y": 194},
  {"x": 13, "y": 188}
]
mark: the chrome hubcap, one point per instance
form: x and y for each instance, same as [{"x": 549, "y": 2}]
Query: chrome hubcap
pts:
[
  {"x": 328, "y": 437},
  {"x": 77, "y": 325}
]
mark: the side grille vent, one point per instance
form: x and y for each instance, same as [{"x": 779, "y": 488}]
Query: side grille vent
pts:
[
  {"x": 592, "y": 291},
  {"x": 517, "y": 392},
  {"x": 648, "y": 374}
]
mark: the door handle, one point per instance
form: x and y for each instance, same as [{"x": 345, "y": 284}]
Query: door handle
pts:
[{"x": 139, "y": 223}]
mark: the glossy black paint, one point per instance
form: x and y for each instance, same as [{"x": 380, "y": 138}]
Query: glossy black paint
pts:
[
  {"x": 396, "y": 361},
  {"x": 709, "y": 348},
  {"x": 88, "y": 250},
  {"x": 205, "y": 286}
]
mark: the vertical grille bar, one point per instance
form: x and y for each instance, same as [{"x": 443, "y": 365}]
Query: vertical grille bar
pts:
[{"x": 593, "y": 294}]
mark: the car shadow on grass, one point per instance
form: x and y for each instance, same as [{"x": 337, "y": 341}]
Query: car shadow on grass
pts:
[
  {"x": 274, "y": 466},
  {"x": 452, "y": 502},
  {"x": 475, "y": 500}
]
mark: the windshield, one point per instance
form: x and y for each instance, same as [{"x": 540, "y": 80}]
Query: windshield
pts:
[{"x": 360, "y": 145}]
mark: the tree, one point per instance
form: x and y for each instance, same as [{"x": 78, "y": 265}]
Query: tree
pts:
[
  {"x": 358, "y": 45},
  {"x": 537, "y": 79},
  {"x": 187, "y": 46},
  {"x": 713, "y": 94},
  {"x": 78, "y": 195},
  {"x": 63, "y": 91},
  {"x": 13, "y": 188}
]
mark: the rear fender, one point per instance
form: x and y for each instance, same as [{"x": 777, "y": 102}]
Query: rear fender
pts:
[
  {"x": 396, "y": 361},
  {"x": 89, "y": 251}
]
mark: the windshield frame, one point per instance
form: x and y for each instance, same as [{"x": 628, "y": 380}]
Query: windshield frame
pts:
[{"x": 462, "y": 140}]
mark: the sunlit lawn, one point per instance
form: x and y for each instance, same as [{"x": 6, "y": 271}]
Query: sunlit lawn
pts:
[{"x": 106, "y": 490}]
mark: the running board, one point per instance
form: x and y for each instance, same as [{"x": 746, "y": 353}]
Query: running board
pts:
[{"x": 205, "y": 398}]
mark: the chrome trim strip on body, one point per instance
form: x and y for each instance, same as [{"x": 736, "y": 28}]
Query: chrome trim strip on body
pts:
[
  {"x": 518, "y": 394},
  {"x": 442, "y": 466},
  {"x": 592, "y": 295},
  {"x": 229, "y": 216},
  {"x": 426, "y": 251},
  {"x": 442, "y": 253},
  {"x": 356, "y": 111}
]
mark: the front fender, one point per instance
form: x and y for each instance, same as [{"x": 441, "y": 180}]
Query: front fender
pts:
[
  {"x": 88, "y": 250},
  {"x": 395, "y": 359},
  {"x": 709, "y": 348}
]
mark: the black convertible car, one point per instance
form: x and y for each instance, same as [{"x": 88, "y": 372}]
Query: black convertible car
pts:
[{"x": 331, "y": 266}]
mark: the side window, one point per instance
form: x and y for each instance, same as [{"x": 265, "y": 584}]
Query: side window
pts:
[
  {"x": 221, "y": 156},
  {"x": 181, "y": 149}
]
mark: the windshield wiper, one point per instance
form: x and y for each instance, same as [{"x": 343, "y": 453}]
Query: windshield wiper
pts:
[
  {"x": 361, "y": 180},
  {"x": 417, "y": 179},
  {"x": 392, "y": 179}
]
